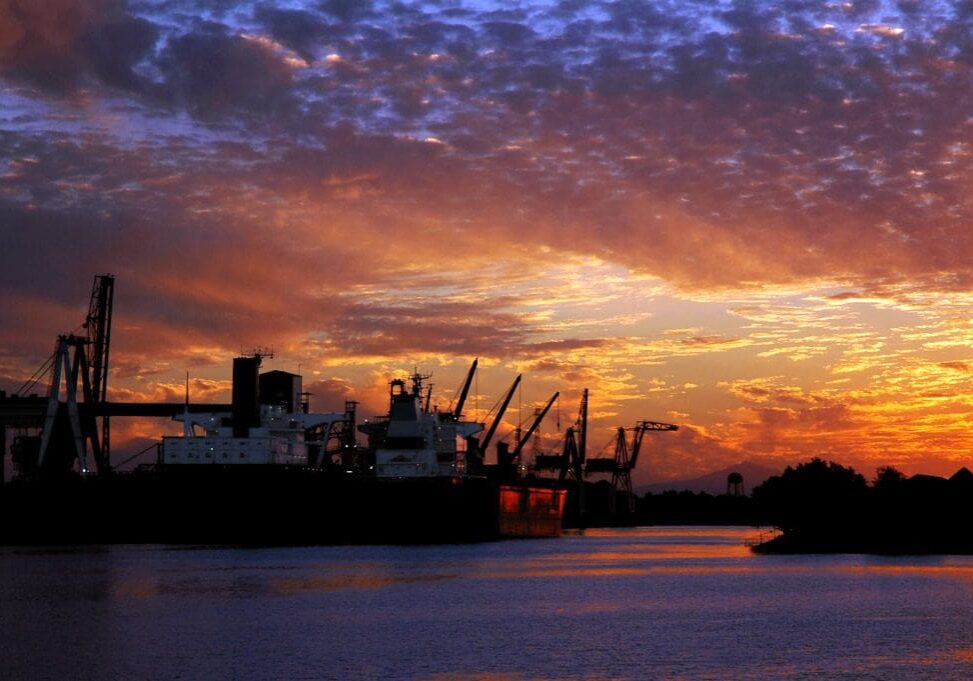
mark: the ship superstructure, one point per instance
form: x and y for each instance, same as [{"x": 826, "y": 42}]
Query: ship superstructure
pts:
[
  {"x": 280, "y": 439},
  {"x": 415, "y": 440},
  {"x": 267, "y": 426}
]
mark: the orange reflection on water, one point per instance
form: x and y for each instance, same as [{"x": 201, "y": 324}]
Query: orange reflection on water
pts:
[
  {"x": 608, "y": 571},
  {"x": 958, "y": 572},
  {"x": 351, "y": 581},
  {"x": 145, "y": 588},
  {"x": 696, "y": 532},
  {"x": 647, "y": 552},
  {"x": 963, "y": 654},
  {"x": 481, "y": 676}
]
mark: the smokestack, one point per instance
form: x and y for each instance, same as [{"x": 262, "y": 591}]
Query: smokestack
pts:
[{"x": 246, "y": 405}]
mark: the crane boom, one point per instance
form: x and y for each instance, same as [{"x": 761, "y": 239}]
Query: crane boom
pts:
[
  {"x": 496, "y": 421},
  {"x": 533, "y": 427},
  {"x": 640, "y": 429},
  {"x": 583, "y": 427},
  {"x": 458, "y": 412}
]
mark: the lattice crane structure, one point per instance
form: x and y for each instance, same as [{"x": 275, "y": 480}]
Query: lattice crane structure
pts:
[{"x": 621, "y": 465}]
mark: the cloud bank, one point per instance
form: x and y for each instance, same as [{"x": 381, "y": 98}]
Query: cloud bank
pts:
[{"x": 371, "y": 184}]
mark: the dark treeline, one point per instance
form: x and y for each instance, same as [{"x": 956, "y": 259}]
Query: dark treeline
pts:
[
  {"x": 825, "y": 507},
  {"x": 689, "y": 508},
  {"x": 819, "y": 506},
  {"x": 604, "y": 509}
]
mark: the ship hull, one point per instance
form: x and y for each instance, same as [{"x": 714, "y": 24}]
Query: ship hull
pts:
[
  {"x": 530, "y": 511},
  {"x": 273, "y": 506}
]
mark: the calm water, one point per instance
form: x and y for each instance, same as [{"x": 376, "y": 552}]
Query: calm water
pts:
[{"x": 667, "y": 603}]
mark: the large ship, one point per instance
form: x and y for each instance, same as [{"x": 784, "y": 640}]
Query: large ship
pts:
[
  {"x": 267, "y": 470},
  {"x": 422, "y": 476}
]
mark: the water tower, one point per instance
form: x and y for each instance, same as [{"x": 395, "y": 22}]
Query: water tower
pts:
[{"x": 734, "y": 484}]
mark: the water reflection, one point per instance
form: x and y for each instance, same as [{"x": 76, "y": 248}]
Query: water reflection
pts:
[
  {"x": 627, "y": 604},
  {"x": 352, "y": 581}
]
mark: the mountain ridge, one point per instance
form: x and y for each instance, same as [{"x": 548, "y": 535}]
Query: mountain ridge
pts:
[{"x": 714, "y": 482}]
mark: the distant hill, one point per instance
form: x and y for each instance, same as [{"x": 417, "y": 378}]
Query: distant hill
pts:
[{"x": 715, "y": 482}]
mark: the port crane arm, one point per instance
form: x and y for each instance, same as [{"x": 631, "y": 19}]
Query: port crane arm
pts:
[
  {"x": 656, "y": 425},
  {"x": 533, "y": 427},
  {"x": 583, "y": 428},
  {"x": 458, "y": 412},
  {"x": 496, "y": 421},
  {"x": 640, "y": 429}
]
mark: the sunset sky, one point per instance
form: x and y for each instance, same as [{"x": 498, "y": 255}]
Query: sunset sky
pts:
[{"x": 751, "y": 219}]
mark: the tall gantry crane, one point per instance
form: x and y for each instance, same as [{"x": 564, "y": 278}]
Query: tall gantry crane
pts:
[
  {"x": 621, "y": 464},
  {"x": 60, "y": 430},
  {"x": 83, "y": 358}
]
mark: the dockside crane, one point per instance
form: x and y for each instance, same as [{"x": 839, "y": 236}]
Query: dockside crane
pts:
[
  {"x": 621, "y": 465},
  {"x": 570, "y": 461},
  {"x": 485, "y": 442},
  {"x": 71, "y": 359},
  {"x": 465, "y": 391},
  {"x": 60, "y": 428},
  {"x": 538, "y": 417},
  {"x": 84, "y": 358}
]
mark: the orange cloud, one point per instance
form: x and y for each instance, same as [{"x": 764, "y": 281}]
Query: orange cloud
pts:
[{"x": 767, "y": 237}]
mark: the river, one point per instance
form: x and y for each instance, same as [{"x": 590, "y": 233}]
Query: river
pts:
[{"x": 644, "y": 603}]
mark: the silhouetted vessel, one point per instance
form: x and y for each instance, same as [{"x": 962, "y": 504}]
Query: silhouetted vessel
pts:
[{"x": 263, "y": 473}]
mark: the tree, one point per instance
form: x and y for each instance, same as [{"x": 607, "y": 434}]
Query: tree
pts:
[
  {"x": 887, "y": 478},
  {"x": 813, "y": 496}
]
